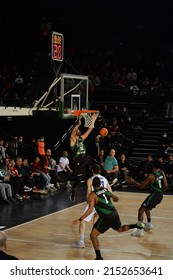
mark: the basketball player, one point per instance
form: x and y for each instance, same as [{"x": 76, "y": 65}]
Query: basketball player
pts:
[
  {"x": 100, "y": 199},
  {"x": 81, "y": 160},
  {"x": 105, "y": 184},
  {"x": 157, "y": 183}
]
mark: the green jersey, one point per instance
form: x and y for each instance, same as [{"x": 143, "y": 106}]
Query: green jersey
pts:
[
  {"x": 157, "y": 186},
  {"x": 79, "y": 149},
  {"x": 104, "y": 206}
]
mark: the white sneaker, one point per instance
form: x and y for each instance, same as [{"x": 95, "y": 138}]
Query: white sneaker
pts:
[
  {"x": 79, "y": 244},
  {"x": 27, "y": 189},
  {"x": 2, "y": 227},
  {"x": 52, "y": 189},
  {"x": 138, "y": 233},
  {"x": 44, "y": 192},
  {"x": 49, "y": 186},
  {"x": 148, "y": 226}
]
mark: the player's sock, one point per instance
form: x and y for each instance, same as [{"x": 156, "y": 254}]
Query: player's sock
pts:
[
  {"x": 81, "y": 237},
  {"x": 139, "y": 225},
  {"x": 98, "y": 255}
]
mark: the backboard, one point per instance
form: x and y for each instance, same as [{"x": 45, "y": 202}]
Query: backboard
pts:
[{"x": 73, "y": 94}]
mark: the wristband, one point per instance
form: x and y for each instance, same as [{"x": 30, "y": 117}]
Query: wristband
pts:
[{"x": 80, "y": 219}]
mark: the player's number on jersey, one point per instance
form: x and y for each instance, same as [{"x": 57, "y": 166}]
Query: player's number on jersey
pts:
[{"x": 105, "y": 198}]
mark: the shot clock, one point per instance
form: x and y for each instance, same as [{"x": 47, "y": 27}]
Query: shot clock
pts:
[{"x": 57, "y": 46}]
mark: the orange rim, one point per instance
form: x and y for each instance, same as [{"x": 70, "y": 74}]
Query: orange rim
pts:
[{"x": 77, "y": 113}]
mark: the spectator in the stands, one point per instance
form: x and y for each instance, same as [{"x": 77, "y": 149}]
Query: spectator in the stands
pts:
[
  {"x": 169, "y": 149},
  {"x": 52, "y": 169},
  {"x": 146, "y": 83},
  {"x": 42, "y": 167},
  {"x": 64, "y": 170},
  {"x": 144, "y": 118},
  {"x": 168, "y": 169},
  {"x": 23, "y": 148},
  {"x": 38, "y": 178},
  {"x": 128, "y": 126},
  {"x": 162, "y": 162},
  {"x": 101, "y": 157},
  {"x": 2, "y": 150},
  {"x": 33, "y": 148},
  {"x": 111, "y": 165},
  {"x": 5, "y": 189},
  {"x": 116, "y": 113},
  {"x": 124, "y": 168},
  {"x": 5, "y": 167},
  {"x": 31, "y": 179},
  {"x": 114, "y": 129},
  {"x": 17, "y": 184},
  {"x": 145, "y": 167},
  {"x": 134, "y": 89},
  {"x": 131, "y": 77},
  {"x": 24, "y": 174},
  {"x": 164, "y": 143},
  {"x": 95, "y": 146},
  {"x": 6, "y": 146},
  {"x": 41, "y": 146},
  {"x": 13, "y": 148},
  {"x": 105, "y": 112}
]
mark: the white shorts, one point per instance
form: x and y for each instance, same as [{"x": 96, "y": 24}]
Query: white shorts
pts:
[{"x": 88, "y": 219}]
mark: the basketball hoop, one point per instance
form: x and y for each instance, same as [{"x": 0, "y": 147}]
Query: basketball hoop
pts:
[{"x": 89, "y": 116}]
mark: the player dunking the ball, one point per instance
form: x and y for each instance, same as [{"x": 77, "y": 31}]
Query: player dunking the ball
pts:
[{"x": 82, "y": 161}]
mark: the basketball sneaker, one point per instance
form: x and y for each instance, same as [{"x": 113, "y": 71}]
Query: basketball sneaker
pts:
[
  {"x": 79, "y": 244},
  {"x": 148, "y": 226},
  {"x": 141, "y": 225},
  {"x": 27, "y": 189},
  {"x": 138, "y": 233}
]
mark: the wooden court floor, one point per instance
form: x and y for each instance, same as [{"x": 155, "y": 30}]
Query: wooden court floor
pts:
[{"x": 51, "y": 237}]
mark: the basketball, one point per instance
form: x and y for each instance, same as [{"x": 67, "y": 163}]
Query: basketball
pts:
[{"x": 103, "y": 131}]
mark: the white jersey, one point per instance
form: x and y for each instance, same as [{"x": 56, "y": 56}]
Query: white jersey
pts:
[
  {"x": 103, "y": 180},
  {"x": 104, "y": 184}
]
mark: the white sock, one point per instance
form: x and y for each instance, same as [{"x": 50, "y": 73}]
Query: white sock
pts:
[{"x": 81, "y": 236}]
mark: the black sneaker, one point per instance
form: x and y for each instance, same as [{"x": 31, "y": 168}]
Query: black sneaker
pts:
[
  {"x": 99, "y": 259},
  {"x": 11, "y": 199}
]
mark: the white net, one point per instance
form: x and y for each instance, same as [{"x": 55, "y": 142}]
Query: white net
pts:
[{"x": 90, "y": 118}]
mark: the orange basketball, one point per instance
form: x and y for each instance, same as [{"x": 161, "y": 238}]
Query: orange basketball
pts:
[{"x": 103, "y": 131}]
